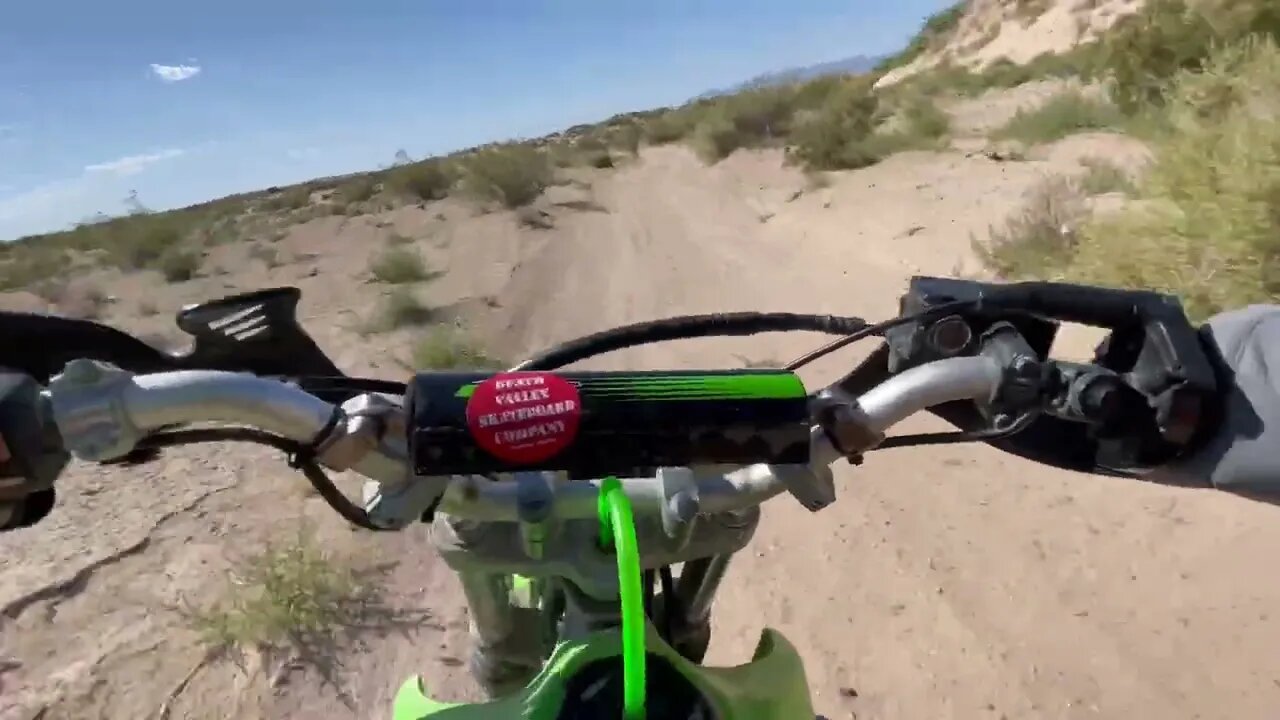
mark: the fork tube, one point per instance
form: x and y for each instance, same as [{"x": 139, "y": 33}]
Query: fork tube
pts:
[
  {"x": 488, "y": 606},
  {"x": 698, "y": 583}
]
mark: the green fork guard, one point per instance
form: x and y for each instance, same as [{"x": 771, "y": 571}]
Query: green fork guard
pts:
[{"x": 770, "y": 687}]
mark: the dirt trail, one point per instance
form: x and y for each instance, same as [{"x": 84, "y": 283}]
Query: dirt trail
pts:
[{"x": 946, "y": 582}]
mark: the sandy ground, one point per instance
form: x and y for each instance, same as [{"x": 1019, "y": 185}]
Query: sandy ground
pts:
[{"x": 954, "y": 583}]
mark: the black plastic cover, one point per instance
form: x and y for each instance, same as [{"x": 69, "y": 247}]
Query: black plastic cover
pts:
[
  {"x": 1152, "y": 345},
  {"x": 255, "y": 332}
]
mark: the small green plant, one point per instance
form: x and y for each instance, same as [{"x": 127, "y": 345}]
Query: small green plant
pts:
[
  {"x": 446, "y": 347},
  {"x": 178, "y": 265},
  {"x": 399, "y": 308},
  {"x": 512, "y": 175},
  {"x": 266, "y": 254},
  {"x": 292, "y": 597},
  {"x": 1103, "y": 176},
  {"x": 398, "y": 265},
  {"x": 1064, "y": 114},
  {"x": 1039, "y": 239}
]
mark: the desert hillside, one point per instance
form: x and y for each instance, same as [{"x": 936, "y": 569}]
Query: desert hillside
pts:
[
  {"x": 980, "y": 33},
  {"x": 956, "y": 582}
]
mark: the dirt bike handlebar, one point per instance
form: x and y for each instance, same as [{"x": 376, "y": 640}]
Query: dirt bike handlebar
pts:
[
  {"x": 103, "y": 413},
  {"x": 973, "y": 353}
]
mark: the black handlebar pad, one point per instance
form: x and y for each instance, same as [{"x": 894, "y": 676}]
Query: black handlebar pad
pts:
[{"x": 596, "y": 424}]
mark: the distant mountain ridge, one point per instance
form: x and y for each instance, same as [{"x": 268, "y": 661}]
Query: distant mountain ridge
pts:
[{"x": 849, "y": 65}]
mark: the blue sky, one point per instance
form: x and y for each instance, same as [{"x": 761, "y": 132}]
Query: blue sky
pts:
[{"x": 186, "y": 102}]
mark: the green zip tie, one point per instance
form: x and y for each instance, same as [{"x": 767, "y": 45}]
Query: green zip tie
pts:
[{"x": 618, "y": 530}]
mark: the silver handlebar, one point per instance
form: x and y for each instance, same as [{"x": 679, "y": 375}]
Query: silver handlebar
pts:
[{"x": 103, "y": 412}]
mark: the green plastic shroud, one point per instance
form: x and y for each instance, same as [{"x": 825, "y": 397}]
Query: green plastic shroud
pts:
[{"x": 772, "y": 686}]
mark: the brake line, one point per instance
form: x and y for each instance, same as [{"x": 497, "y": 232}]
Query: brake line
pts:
[{"x": 618, "y": 531}]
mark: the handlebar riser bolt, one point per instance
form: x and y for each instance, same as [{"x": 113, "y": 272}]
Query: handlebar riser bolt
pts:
[
  {"x": 684, "y": 506},
  {"x": 82, "y": 372}
]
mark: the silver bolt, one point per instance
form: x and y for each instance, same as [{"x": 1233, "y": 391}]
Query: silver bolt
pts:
[{"x": 82, "y": 372}]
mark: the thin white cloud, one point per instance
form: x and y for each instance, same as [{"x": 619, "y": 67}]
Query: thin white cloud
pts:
[
  {"x": 132, "y": 164},
  {"x": 175, "y": 73},
  {"x": 302, "y": 153}
]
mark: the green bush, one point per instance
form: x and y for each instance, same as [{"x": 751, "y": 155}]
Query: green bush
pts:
[
  {"x": 833, "y": 136},
  {"x": 761, "y": 114},
  {"x": 925, "y": 120},
  {"x": 1147, "y": 50},
  {"x": 626, "y": 137},
  {"x": 593, "y": 152},
  {"x": 668, "y": 127},
  {"x": 155, "y": 235},
  {"x": 30, "y": 264},
  {"x": 289, "y": 199},
  {"x": 180, "y": 265},
  {"x": 427, "y": 180},
  {"x": 1207, "y": 224},
  {"x": 448, "y": 348},
  {"x": 512, "y": 174},
  {"x": 1064, "y": 114},
  {"x": 398, "y": 265},
  {"x": 715, "y": 137},
  {"x": 359, "y": 190}
]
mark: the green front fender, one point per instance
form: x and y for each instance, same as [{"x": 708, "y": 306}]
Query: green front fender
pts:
[{"x": 770, "y": 687}]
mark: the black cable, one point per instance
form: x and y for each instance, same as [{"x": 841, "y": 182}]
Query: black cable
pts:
[
  {"x": 948, "y": 438},
  {"x": 686, "y": 327},
  {"x": 317, "y": 383},
  {"x": 646, "y": 581},
  {"x": 877, "y": 329},
  {"x": 670, "y": 604},
  {"x": 302, "y": 459}
]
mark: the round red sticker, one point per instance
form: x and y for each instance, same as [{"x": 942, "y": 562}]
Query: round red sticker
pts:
[{"x": 524, "y": 417}]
